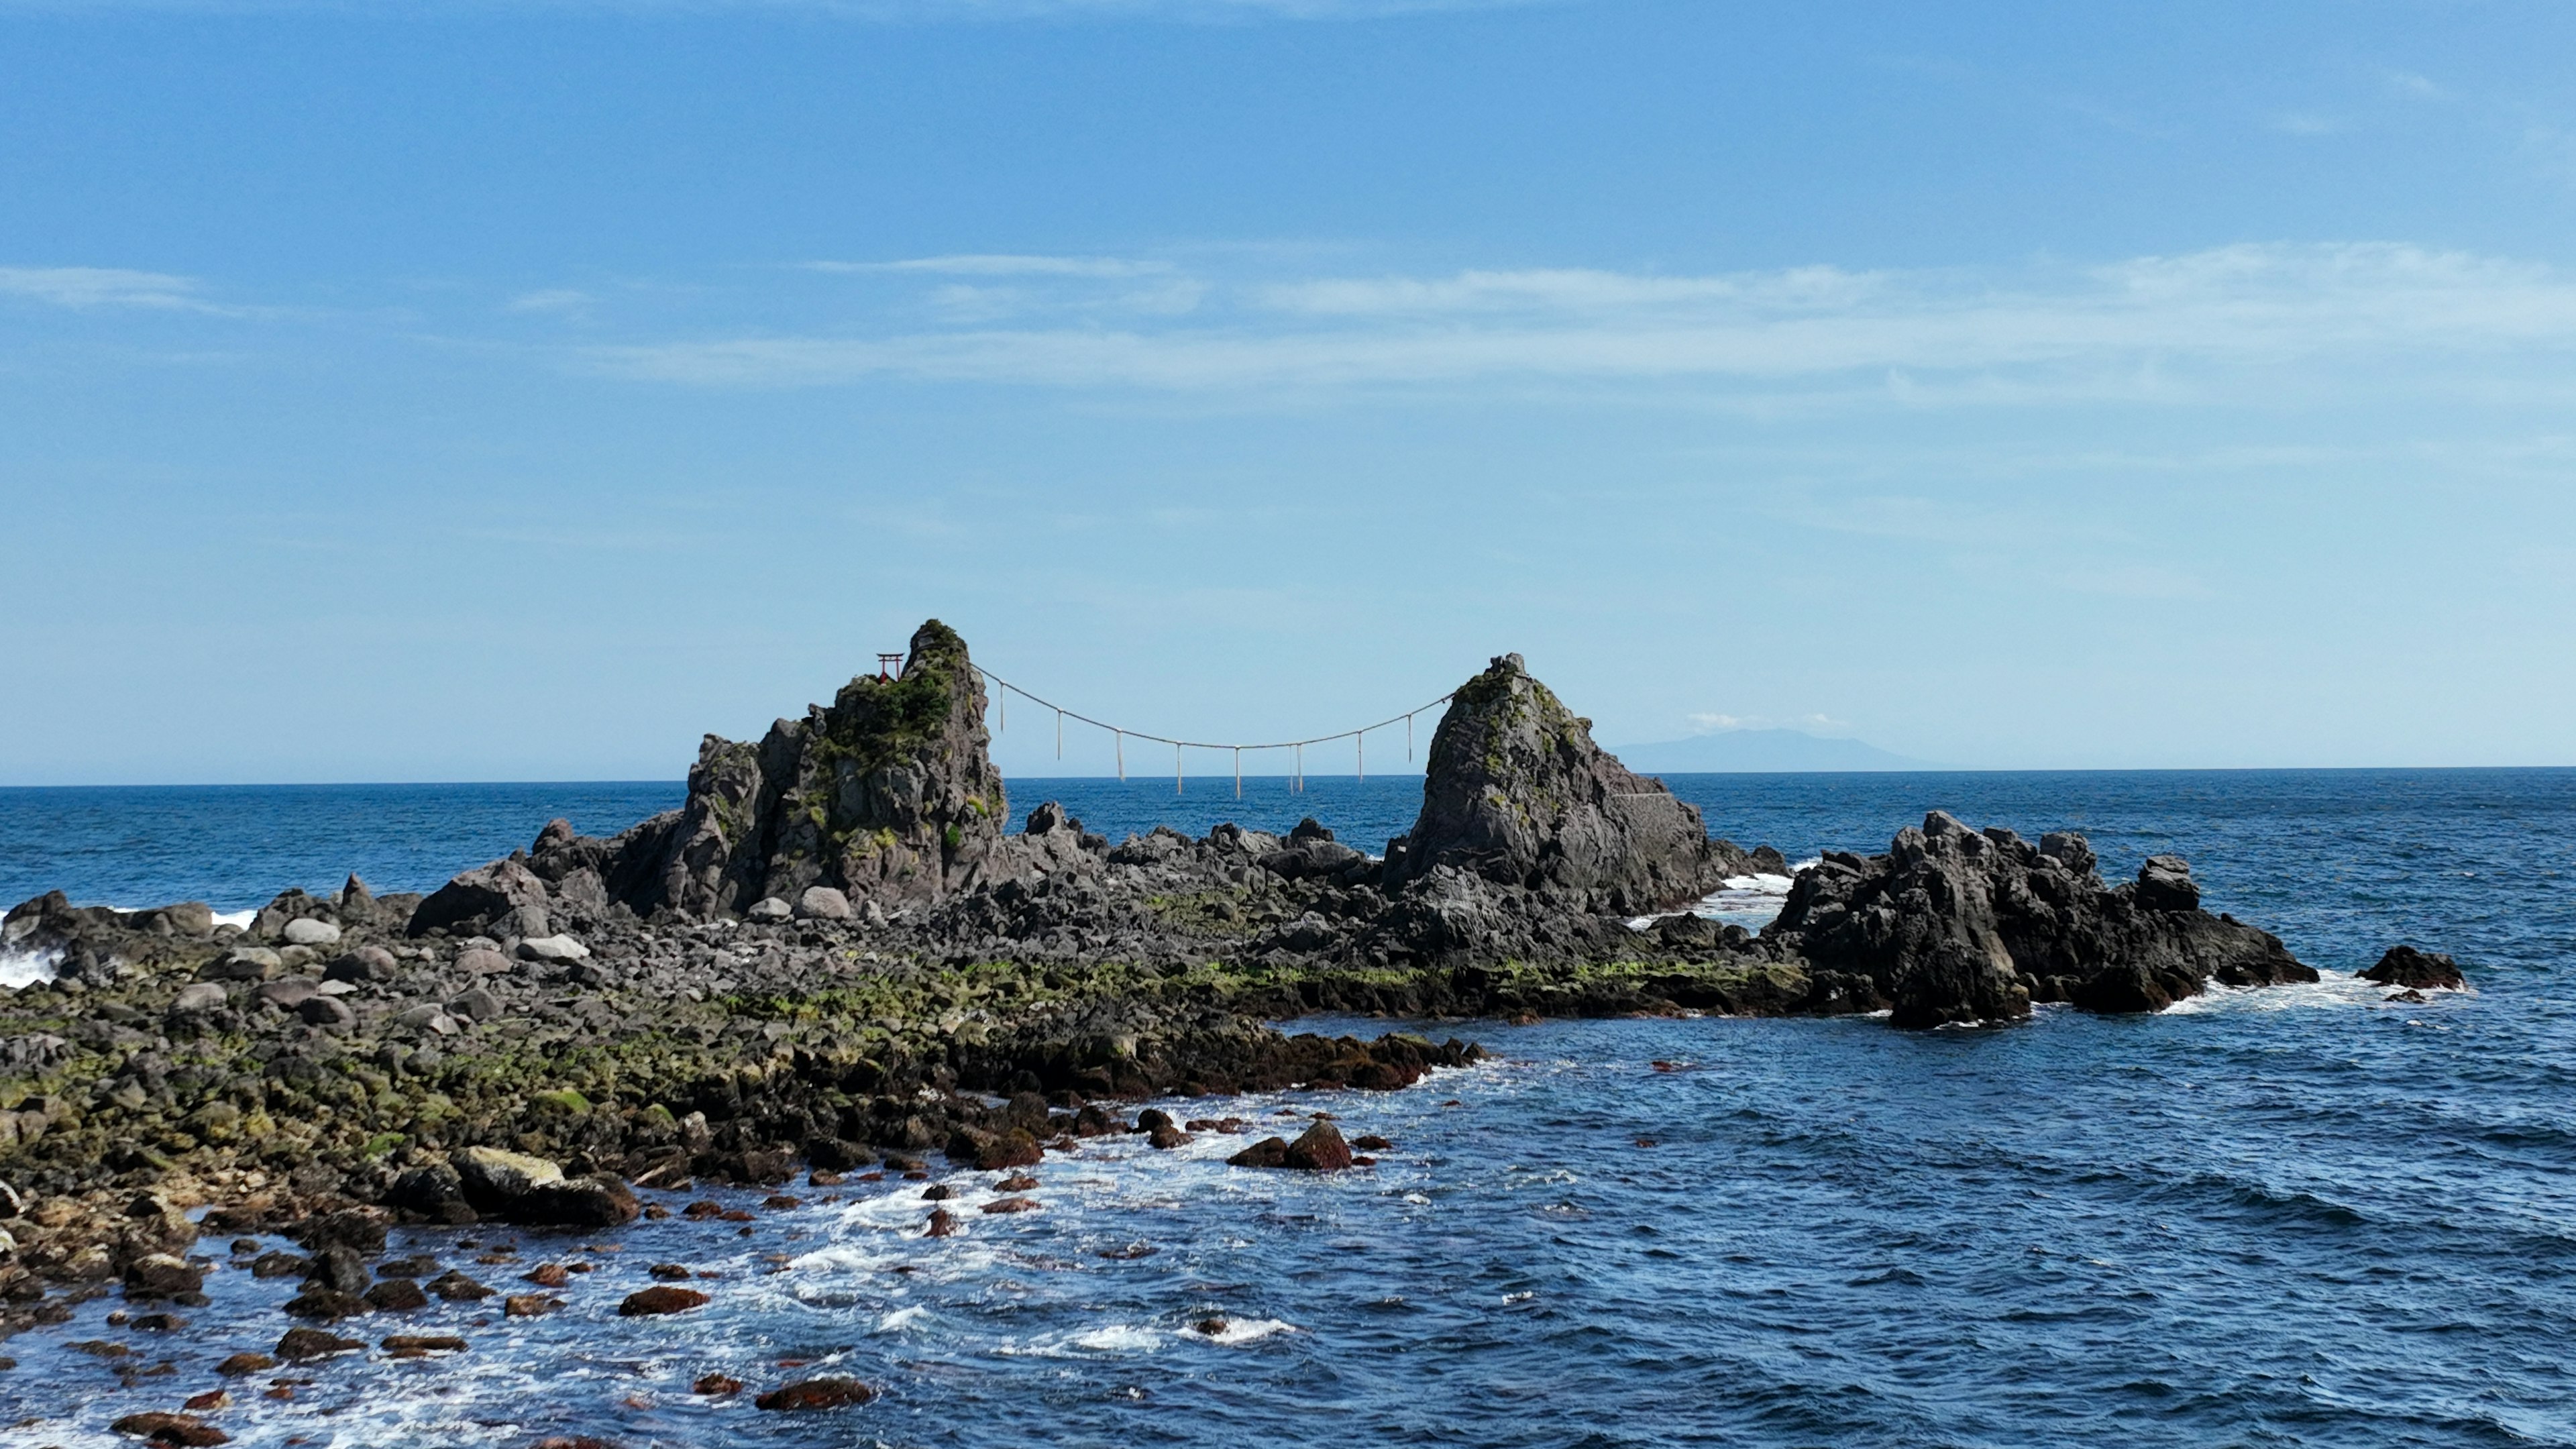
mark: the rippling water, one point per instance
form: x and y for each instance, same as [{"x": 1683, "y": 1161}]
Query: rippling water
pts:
[{"x": 2299, "y": 1216}]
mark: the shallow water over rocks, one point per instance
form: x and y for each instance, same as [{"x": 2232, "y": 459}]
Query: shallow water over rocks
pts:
[{"x": 2300, "y": 1215}]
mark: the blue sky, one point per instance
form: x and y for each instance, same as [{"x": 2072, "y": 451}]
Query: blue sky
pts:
[{"x": 428, "y": 391}]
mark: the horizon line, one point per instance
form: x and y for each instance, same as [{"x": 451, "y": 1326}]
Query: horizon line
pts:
[{"x": 1407, "y": 775}]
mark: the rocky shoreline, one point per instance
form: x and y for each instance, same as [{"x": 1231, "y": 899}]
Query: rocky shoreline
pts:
[{"x": 834, "y": 959}]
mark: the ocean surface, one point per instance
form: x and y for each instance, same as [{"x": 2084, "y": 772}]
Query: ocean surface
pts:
[{"x": 2303, "y": 1216}]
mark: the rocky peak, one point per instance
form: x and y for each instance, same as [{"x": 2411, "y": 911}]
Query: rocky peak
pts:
[
  {"x": 1515, "y": 791},
  {"x": 886, "y": 794}
]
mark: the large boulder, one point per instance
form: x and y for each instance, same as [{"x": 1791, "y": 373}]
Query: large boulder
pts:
[
  {"x": 887, "y": 794},
  {"x": 482, "y": 896},
  {"x": 1957, "y": 925},
  {"x": 1515, "y": 791}
]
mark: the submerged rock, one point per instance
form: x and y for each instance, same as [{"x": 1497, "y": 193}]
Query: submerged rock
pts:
[{"x": 823, "y": 1393}]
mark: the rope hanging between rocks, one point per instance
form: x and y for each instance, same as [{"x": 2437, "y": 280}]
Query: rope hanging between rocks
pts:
[{"x": 1003, "y": 689}]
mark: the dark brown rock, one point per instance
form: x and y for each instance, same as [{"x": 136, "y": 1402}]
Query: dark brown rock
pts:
[
  {"x": 1318, "y": 1149},
  {"x": 455, "y": 1287},
  {"x": 303, "y": 1345},
  {"x": 396, "y": 1295},
  {"x": 824, "y": 1393},
  {"x": 161, "y": 1428},
  {"x": 660, "y": 1299}
]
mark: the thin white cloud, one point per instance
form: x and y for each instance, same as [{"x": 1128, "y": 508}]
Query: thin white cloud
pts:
[
  {"x": 554, "y": 299},
  {"x": 85, "y": 287},
  {"x": 1002, "y": 264},
  {"x": 2133, "y": 328},
  {"x": 1711, "y": 724}
]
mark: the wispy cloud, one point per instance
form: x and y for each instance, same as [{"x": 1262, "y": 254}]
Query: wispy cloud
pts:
[
  {"x": 1711, "y": 724},
  {"x": 1001, "y": 264},
  {"x": 86, "y": 287},
  {"x": 558, "y": 300},
  {"x": 2143, "y": 327}
]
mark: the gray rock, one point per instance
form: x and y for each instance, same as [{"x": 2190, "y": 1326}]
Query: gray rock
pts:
[
  {"x": 481, "y": 961},
  {"x": 426, "y": 1018},
  {"x": 823, "y": 903},
  {"x": 367, "y": 963},
  {"x": 2165, "y": 884},
  {"x": 244, "y": 963},
  {"x": 326, "y": 1011},
  {"x": 492, "y": 1174},
  {"x": 771, "y": 908},
  {"x": 479, "y": 896},
  {"x": 476, "y": 1004},
  {"x": 1516, "y": 791},
  {"x": 306, "y": 931},
  {"x": 553, "y": 948},
  {"x": 1956, "y": 926},
  {"x": 197, "y": 999},
  {"x": 288, "y": 994}
]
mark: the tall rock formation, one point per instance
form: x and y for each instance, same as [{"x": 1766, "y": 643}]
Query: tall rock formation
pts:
[
  {"x": 1516, "y": 792},
  {"x": 887, "y": 794}
]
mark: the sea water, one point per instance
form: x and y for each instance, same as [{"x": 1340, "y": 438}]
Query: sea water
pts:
[{"x": 2307, "y": 1215}]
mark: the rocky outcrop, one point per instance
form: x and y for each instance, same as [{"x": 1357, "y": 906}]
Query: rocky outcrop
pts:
[
  {"x": 1957, "y": 925},
  {"x": 1516, "y": 792},
  {"x": 885, "y": 795},
  {"x": 2414, "y": 970}
]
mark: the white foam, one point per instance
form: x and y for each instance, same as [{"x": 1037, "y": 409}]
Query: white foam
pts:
[
  {"x": 21, "y": 967},
  {"x": 239, "y": 920},
  {"x": 1245, "y": 1330},
  {"x": 1749, "y": 901},
  {"x": 902, "y": 1318},
  {"x": 2331, "y": 989},
  {"x": 1120, "y": 1338}
]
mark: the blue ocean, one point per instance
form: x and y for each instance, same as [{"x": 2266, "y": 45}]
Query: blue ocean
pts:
[{"x": 2302, "y": 1216}]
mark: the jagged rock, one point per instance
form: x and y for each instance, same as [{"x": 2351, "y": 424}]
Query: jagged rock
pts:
[
  {"x": 479, "y": 896},
  {"x": 1953, "y": 925},
  {"x": 885, "y": 795},
  {"x": 1516, "y": 792},
  {"x": 2417, "y": 970}
]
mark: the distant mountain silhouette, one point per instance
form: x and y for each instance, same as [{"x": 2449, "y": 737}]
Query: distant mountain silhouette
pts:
[{"x": 1761, "y": 751}]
